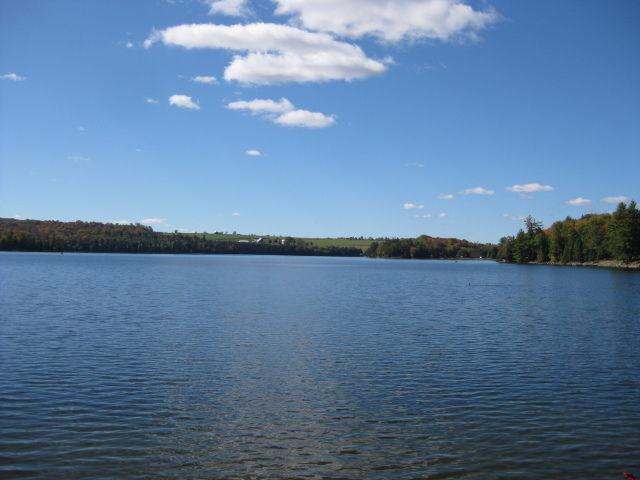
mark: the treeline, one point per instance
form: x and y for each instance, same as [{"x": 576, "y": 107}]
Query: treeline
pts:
[
  {"x": 53, "y": 236},
  {"x": 592, "y": 238},
  {"x": 425, "y": 247}
]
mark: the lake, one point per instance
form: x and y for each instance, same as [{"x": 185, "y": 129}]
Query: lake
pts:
[{"x": 165, "y": 366}]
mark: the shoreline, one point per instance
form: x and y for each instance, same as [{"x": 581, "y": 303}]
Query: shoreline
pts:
[{"x": 611, "y": 264}]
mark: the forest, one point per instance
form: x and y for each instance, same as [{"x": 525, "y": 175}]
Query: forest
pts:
[
  {"x": 54, "y": 236},
  {"x": 425, "y": 247},
  {"x": 591, "y": 238}
]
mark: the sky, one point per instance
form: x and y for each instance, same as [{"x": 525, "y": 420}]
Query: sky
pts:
[{"x": 319, "y": 117}]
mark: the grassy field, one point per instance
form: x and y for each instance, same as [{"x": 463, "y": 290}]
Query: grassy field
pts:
[{"x": 320, "y": 242}]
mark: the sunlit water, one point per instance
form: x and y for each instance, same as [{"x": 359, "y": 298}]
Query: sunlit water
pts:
[{"x": 124, "y": 366}]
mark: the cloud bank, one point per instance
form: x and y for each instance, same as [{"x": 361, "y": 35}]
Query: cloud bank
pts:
[{"x": 273, "y": 53}]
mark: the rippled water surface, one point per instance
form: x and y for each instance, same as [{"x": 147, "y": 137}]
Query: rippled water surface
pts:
[{"x": 123, "y": 366}]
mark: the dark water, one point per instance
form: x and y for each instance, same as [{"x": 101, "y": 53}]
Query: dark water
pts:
[{"x": 119, "y": 366}]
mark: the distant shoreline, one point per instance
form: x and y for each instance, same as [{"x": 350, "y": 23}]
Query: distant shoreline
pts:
[{"x": 611, "y": 264}]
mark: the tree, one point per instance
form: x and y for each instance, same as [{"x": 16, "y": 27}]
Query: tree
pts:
[{"x": 624, "y": 232}]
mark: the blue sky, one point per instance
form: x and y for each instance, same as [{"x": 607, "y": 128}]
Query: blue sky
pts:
[{"x": 101, "y": 117}]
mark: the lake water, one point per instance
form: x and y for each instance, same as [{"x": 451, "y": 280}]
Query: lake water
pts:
[{"x": 125, "y": 366}]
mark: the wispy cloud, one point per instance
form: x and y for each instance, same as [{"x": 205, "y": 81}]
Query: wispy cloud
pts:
[
  {"x": 262, "y": 105},
  {"x": 79, "y": 158},
  {"x": 81, "y": 129},
  {"x": 154, "y": 221},
  {"x": 442, "y": 215},
  {"x": 206, "y": 79},
  {"x": 183, "y": 101},
  {"x": 14, "y": 77},
  {"x": 151, "y": 101},
  {"x": 477, "y": 191},
  {"x": 231, "y": 8},
  {"x": 120, "y": 222},
  {"x": 235, "y": 214},
  {"x": 578, "y": 202},
  {"x": 283, "y": 112},
  {"x": 515, "y": 218},
  {"x": 253, "y": 152},
  {"x": 414, "y": 164},
  {"x": 446, "y": 196},
  {"x": 411, "y": 206},
  {"x": 530, "y": 188},
  {"x": 616, "y": 199}
]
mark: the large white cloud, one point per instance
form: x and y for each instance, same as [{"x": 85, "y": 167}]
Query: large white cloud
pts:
[
  {"x": 274, "y": 53},
  {"x": 283, "y": 112},
  {"x": 530, "y": 188},
  {"x": 389, "y": 20}
]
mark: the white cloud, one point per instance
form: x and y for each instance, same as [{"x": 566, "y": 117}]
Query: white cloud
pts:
[
  {"x": 283, "y": 113},
  {"x": 442, "y": 215},
  {"x": 18, "y": 217},
  {"x": 129, "y": 45},
  {"x": 616, "y": 200},
  {"x": 530, "y": 188},
  {"x": 445, "y": 196},
  {"x": 235, "y": 214},
  {"x": 183, "y": 101},
  {"x": 274, "y": 53},
  {"x": 81, "y": 129},
  {"x": 14, "y": 77},
  {"x": 477, "y": 191},
  {"x": 515, "y": 218},
  {"x": 120, "y": 222},
  {"x": 207, "y": 79},
  {"x": 305, "y": 119},
  {"x": 579, "y": 202},
  {"x": 259, "y": 105},
  {"x": 253, "y": 152},
  {"x": 389, "y": 20},
  {"x": 427, "y": 215},
  {"x": 232, "y": 8},
  {"x": 411, "y": 206},
  {"x": 153, "y": 221},
  {"x": 151, "y": 101},
  {"x": 414, "y": 164}
]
